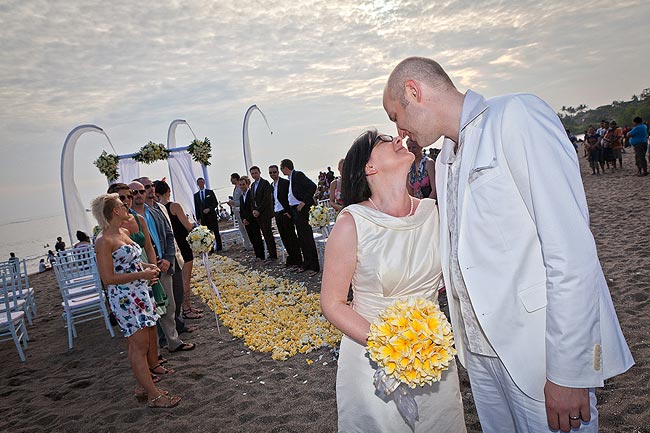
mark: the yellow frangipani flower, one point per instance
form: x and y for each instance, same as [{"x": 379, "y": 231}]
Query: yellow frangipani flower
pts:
[{"x": 412, "y": 341}]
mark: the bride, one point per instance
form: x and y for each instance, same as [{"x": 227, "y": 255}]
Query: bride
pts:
[{"x": 384, "y": 244}]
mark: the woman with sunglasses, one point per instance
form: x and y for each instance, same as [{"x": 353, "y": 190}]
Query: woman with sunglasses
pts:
[
  {"x": 384, "y": 244},
  {"x": 128, "y": 281}
]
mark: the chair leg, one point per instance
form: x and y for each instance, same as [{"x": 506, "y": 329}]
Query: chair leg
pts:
[
  {"x": 69, "y": 322},
  {"x": 29, "y": 315},
  {"x": 14, "y": 334}
]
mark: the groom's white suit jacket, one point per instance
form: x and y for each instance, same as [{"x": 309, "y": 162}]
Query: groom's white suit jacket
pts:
[{"x": 525, "y": 250}]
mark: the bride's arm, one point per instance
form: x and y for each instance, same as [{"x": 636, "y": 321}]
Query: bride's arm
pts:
[{"x": 340, "y": 263}]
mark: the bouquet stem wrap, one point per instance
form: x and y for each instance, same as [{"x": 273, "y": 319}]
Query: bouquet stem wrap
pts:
[{"x": 404, "y": 400}]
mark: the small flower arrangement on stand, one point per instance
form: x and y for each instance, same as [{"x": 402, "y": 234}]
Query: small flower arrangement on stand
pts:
[
  {"x": 151, "y": 152},
  {"x": 107, "y": 165},
  {"x": 200, "y": 151}
]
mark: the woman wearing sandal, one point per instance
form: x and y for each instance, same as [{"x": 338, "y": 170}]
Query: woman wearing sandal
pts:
[
  {"x": 181, "y": 226},
  {"x": 128, "y": 282}
]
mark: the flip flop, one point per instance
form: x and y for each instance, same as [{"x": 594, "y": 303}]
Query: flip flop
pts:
[
  {"x": 161, "y": 360},
  {"x": 141, "y": 394},
  {"x": 189, "y": 329},
  {"x": 189, "y": 314},
  {"x": 171, "y": 402},
  {"x": 184, "y": 347}
]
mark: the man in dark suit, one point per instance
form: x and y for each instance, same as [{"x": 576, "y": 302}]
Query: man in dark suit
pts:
[
  {"x": 301, "y": 198},
  {"x": 283, "y": 219},
  {"x": 205, "y": 205},
  {"x": 247, "y": 218},
  {"x": 263, "y": 209}
]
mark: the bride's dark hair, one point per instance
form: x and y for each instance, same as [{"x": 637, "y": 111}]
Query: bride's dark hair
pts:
[{"x": 354, "y": 185}]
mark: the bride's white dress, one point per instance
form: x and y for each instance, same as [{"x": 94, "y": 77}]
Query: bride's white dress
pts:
[{"x": 396, "y": 258}]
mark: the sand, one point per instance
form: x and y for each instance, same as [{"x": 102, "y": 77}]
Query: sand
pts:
[{"x": 89, "y": 388}]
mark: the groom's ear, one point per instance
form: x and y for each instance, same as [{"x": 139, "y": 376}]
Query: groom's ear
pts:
[{"x": 413, "y": 90}]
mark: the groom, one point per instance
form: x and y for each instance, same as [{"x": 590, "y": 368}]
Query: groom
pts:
[{"x": 533, "y": 318}]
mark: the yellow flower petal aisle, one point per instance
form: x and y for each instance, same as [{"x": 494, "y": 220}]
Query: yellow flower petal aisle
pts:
[{"x": 270, "y": 314}]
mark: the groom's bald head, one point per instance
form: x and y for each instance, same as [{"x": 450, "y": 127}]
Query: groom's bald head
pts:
[{"x": 420, "y": 69}]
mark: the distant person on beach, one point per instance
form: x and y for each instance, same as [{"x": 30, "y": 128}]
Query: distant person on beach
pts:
[
  {"x": 533, "y": 319},
  {"x": 51, "y": 257},
  {"x": 14, "y": 261},
  {"x": 42, "y": 266},
  {"x": 336, "y": 197},
  {"x": 60, "y": 245},
  {"x": 128, "y": 281},
  {"x": 301, "y": 198},
  {"x": 381, "y": 245},
  {"x": 84, "y": 241},
  {"x": 592, "y": 146},
  {"x": 638, "y": 138}
]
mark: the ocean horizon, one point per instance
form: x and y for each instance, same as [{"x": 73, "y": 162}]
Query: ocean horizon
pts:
[{"x": 31, "y": 238}]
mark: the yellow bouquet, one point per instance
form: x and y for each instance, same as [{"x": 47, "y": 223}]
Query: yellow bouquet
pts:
[{"x": 412, "y": 341}]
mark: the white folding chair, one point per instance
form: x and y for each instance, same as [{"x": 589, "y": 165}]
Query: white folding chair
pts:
[
  {"x": 13, "y": 287},
  {"x": 12, "y": 317},
  {"x": 81, "y": 290}
]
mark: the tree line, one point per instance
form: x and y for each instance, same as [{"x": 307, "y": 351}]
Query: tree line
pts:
[{"x": 577, "y": 119}]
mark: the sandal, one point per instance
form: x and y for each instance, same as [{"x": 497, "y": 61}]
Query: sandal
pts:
[
  {"x": 156, "y": 370},
  {"x": 141, "y": 395},
  {"x": 189, "y": 329},
  {"x": 171, "y": 401},
  {"x": 184, "y": 347},
  {"x": 155, "y": 379},
  {"x": 189, "y": 314},
  {"x": 196, "y": 310},
  {"x": 161, "y": 360}
]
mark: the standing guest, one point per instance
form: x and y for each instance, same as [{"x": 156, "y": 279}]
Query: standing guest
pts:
[
  {"x": 336, "y": 198},
  {"x": 234, "y": 203},
  {"x": 181, "y": 226},
  {"x": 638, "y": 138},
  {"x": 84, "y": 241},
  {"x": 60, "y": 245},
  {"x": 381, "y": 245},
  {"x": 301, "y": 198},
  {"x": 163, "y": 240},
  {"x": 263, "y": 210},
  {"x": 421, "y": 176},
  {"x": 128, "y": 281},
  {"x": 283, "y": 220},
  {"x": 533, "y": 319},
  {"x": 329, "y": 175},
  {"x": 205, "y": 209},
  {"x": 247, "y": 218}
]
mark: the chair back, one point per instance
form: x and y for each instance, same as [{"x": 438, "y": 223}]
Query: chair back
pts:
[
  {"x": 9, "y": 290},
  {"x": 76, "y": 272}
]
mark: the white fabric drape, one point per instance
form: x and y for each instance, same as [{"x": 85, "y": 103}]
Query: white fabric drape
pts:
[
  {"x": 127, "y": 170},
  {"x": 183, "y": 173},
  {"x": 75, "y": 212},
  {"x": 248, "y": 155}
]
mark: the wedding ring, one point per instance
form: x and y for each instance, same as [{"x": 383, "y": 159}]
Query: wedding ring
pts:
[{"x": 574, "y": 418}]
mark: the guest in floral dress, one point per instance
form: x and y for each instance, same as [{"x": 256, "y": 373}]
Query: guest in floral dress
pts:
[
  {"x": 420, "y": 182},
  {"x": 127, "y": 279}
]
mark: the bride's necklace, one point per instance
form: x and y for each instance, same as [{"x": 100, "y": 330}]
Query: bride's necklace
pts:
[{"x": 376, "y": 208}]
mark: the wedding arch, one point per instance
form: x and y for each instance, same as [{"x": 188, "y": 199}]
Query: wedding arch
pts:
[
  {"x": 183, "y": 172},
  {"x": 248, "y": 155}
]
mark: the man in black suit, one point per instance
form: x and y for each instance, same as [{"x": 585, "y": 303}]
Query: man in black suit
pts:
[
  {"x": 247, "y": 218},
  {"x": 301, "y": 198},
  {"x": 283, "y": 219},
  {"x": 263, "y": 209},
  {"x": 205, "y": 205}
]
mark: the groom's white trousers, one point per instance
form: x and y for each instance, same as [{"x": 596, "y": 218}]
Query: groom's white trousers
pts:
[{"x": 503, "y": 408}]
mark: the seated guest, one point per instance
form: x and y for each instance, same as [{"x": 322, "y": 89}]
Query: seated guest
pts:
[
  {"x": 42, "y": 266},
  {"x": 128, "y": 279},
  {"x": 84, "y": 241}
]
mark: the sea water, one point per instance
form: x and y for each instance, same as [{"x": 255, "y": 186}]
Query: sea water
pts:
[{"x": 31, "y": 238}]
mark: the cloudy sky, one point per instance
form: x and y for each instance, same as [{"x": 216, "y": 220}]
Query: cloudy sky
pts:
[{"x": 316, "y": 68}]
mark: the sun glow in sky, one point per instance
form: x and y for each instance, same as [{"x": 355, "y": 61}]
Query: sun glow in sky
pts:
[{"x": 316, "y": 69}]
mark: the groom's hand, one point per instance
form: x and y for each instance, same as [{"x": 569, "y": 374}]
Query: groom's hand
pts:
[{"x": 563, "y": 403}]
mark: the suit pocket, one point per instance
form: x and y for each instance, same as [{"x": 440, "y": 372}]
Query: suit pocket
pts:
[
  {"x": 480, "y": 175},
  {"x": 534, "y": 298}
]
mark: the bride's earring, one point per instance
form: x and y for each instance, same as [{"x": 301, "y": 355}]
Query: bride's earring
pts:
[{"x": 370, "y": 170}]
